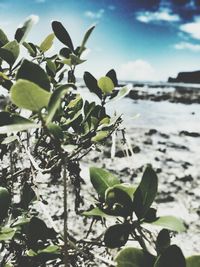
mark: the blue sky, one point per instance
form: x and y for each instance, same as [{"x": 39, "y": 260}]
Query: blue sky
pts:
[{"x": 142, "y": 40}]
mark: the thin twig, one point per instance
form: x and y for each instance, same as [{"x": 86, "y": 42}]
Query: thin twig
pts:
[{"x": 65, "y": 211}]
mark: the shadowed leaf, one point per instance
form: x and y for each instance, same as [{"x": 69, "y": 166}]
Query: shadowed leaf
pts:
[
  {"x": 10, "y": 123},
  {"x": 113, "y": 76},
  {"x": 117, "y": 235},
  {"x": 33, "y": 73},
  {"x": 145, "y": 193},
  {"x": 91, "y": 84},
  {"x": 163, "y": 241},
  {"x": 62, "y": 34},
  {"x": 172, "y": 257},
  {"x": 3, "y": 38},
  {"x": 10, "y": 52}
]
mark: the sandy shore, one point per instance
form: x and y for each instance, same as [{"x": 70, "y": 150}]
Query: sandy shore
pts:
[{"x": 166, "y": 134}]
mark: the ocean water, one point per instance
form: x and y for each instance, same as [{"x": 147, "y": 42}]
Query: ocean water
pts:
[{"x": 164, "y": 116}]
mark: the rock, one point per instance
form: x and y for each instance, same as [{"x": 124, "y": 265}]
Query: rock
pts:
[
  {"x": 187, "y": 178},
  {"x": 136, "y": 149},
  {"x": 186, "y": 164},
  {"x": 186, "y": 77},
  {"x": 164, "y": 199},
  {"x": 148, "y": 142},
  {"x": 192, "y": 134},
  {"x": 151, "y": 132},
  {"x": 162, "y": 150},
  {"x": 166, "y": 136}
]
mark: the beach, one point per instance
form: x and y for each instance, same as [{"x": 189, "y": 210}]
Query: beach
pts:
[{"x": 166, "y": 134}]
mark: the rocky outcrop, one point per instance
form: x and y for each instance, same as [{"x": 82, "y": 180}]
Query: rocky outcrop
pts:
[{"x": 186, "y": 77}]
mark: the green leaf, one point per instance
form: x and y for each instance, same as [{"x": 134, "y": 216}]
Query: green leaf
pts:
[
  {"x": 100, "y": 135},
  {"x": 23, "y": 31},
  {"x": 170, "y": 223},
  {"x": 172, "y": 257},
  {"x": 91, "y": 84},
  {"x": 145, "y": 193},
  {"x": 193, "y": 261},
  {"x": 102, "y": 179},
  {"x": 72, "y": 60},
  {"x": 86, "y": 37},
  {"x": 3, "y": 38},
  {"x": 75, "y": 102},
  {"x": 95, "y": 212},
  {"x": 8, "y": 265},
  {"x": 122, "y": 92},
  {"x": 47, "y": 43},
  {"x": 31, "y": 253},
  {"x": 51, "y": 66},
  {"x": 67, "y": 61},
  {"x": 62, "y": 34},
  {"x": 134, "y": 257},
  {"x": 21, "y": 221},
  {"x": 76, "y": 60},
  {"x": 32, "y": 50},
  {"x": 113, "y": 76},
  {"x": 55, "y": 100},
  {"x": 106, "y": 85},
  {"x": 10, "y": 123},
  {"x": 33, "y": 73},
  {"x": 117, "y": 235},
  {"x": 9, "y": 139},
  {"x": 6, "y": 233},
  {"x": 3, "y": 76},
  {"x": 55, "y": 130},
  {"x": 10, "y": 52},
  {"x": 51, "y": 249},
  {"x": 28, "y": 95}
]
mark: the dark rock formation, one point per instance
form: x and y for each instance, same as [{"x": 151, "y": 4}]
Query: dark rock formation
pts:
[{"x": 186, "y": 77}]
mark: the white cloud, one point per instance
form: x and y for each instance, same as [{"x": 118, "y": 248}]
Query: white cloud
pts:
[
  {"x": 34, "y": 20},
  {"x": 163, "y": 15},
  {"x": 192, "y": 28},
  {"x": 188, "y": 46},
  {"x": 138, "y": 70},
  {"x": 94, "y": 15}
]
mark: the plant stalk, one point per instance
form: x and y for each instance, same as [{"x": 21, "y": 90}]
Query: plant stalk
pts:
[{"x": 66, "y": 255}]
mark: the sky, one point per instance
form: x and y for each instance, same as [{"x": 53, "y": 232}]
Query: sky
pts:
[{"x": 143, "y": 40}]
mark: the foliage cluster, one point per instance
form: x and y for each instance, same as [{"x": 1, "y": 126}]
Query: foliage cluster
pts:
[{"x": 47, "y": 128}]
